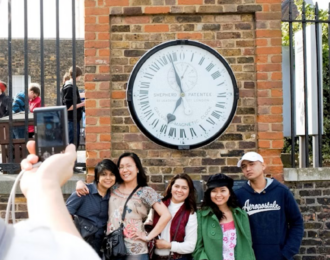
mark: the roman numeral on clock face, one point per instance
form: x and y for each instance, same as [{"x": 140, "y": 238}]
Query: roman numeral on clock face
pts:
[
  {"x": 209, "y": 67},
  {"x": 216, "y": 75},
  {"x": 163, "y": 129},
  {"x": 192, "y": 132},
  {"x": 154, "y": 67},
  {"x": 183, "y": 133},
  {"x": 172, "y": 132}
]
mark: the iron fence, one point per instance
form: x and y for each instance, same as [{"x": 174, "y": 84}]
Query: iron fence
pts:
[{"x": 12, "y": 150}]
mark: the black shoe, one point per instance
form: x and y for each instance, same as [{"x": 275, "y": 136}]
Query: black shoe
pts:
[{"x": 76, "y": 170}]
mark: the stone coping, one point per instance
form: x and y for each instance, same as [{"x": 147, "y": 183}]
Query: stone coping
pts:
[
  {"x": 307, "y": 174},
  {"x": 7, "y": 182}
]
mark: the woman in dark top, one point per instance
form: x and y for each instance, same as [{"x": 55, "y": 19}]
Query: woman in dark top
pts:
[{"x": 94, "y": 206}]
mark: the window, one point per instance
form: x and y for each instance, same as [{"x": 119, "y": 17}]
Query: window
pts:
[{"x": 18, "y": 84}]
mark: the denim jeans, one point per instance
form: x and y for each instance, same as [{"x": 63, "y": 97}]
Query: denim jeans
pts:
[
  {"x": 71, "y": 133},
  {"x": 19, "y": 132}
]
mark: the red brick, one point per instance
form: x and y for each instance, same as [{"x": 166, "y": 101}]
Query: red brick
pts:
[
  {"x": 265, "y": 8},
  {"x": 276, "y": 161},
  {"x": 90, "y": 3},
  {"x": 103, "y": 36},
  {"x": 104, "y": 52},
  {"x": 263, "y": 93},
  {"x": 156, "y": 28},
  {"x": 91, "y": 162},
  {"x": 90, "y": 103},
  {"x": 90, "y": 52},
  {"x": 96, "y": 27},
  {"x": 105, "y": 138},
  {"x": 276, "y": 110},
  {"x": 262, "y": 76},
  {"x": 92, "y": 154},
  {"x": 118, "y": 94},
  {"x": 137, "y": 19},
  {"x": 105, "y": 154},
  {"x": 277, "y": 127},
  {"x": 190, "y": 35},
  {"x": 96, "y": 11},
  {"x": 276, "y": 41},
  {"x": 91, "y": 121},
  {"x": 104, "y": 103},
  {"x": 91, "y": 137},
  {"x": 97, "y": 44},
  {"x": 270, "y": 101},
  {"x": 89, "y": 86},
  {"x": 262, "y": 58},
  {"x": 103, "y": 19},
  {"x": 157, "y": 10},
  {"x": 276, "y": 76},
  {"x": 90, "y": 36},
  {"x": 104, "y": 86},
  {"x": 278, "y": 144},
  {"x": 190, "y": 2},
  {"x": 105, "y": 121},
  {"x": 262, "y": 110},
  {"x": 98, "y": 129},
  {"x": 90, "y": 19},
  {"x": 268, "y": 33},
  {"x": 98, "y": 146},
  {"x": 269, "y": 67},
  {"x": 275, "y": 7},
  {"x": 264, "y": 144},
  {"x": 277, "y": 93},
  {"x": 276, "y": 58},
  {"x": 116, "y": 2},
  {"x": 270, "y": 135},
  {"x": 98, "y": 112},
  {"x": 104, "y": 69},
  {"x": 261, "y": 42},
  {"x": 269, "y": 118},
  {"x": 268, "y": 50},
  {"x": 98, "y": 94},
  {"x": 269, "y": 84},
  {"x": 263, "y": 127}
]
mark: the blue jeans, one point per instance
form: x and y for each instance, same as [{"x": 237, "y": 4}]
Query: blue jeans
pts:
[
  {"x": 71, "y": 133},
  {"x": 19, "y": 132}
]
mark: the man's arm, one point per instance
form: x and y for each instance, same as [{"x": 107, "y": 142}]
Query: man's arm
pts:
[{"x": 296, "y": 227}]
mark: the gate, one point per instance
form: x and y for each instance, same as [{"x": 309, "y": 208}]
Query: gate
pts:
[
  {"x": 13, "y": 150},
  {"x": 307, "y": 84}
]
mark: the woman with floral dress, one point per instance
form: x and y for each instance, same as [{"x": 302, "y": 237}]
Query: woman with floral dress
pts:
[{"x": 223, "y": 228}]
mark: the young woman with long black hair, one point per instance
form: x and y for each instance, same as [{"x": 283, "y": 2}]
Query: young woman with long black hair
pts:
[{"x": 223, "y": 227}]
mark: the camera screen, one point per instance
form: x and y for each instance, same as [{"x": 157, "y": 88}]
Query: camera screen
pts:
[{"x": 49, "y": 129}]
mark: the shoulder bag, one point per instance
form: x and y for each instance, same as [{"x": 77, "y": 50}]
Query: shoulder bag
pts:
[{"x": 113, "y": 245}]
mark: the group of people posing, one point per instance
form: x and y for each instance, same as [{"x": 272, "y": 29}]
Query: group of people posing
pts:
[{"x": 261, "y": 220}]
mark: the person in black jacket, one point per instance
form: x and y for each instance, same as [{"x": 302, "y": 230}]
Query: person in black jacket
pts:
[
  {"x": 4, "y": 100},
  {"x": 67, "y": 100},
  {"x": 276, "y": 223}
]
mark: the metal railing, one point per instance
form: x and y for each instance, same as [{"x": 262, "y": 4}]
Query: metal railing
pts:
[
  {"x": 305, "y": 154},
  {"x": 11, "y": 164}
]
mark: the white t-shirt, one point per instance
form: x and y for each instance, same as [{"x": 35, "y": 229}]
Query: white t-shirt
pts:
[
  {"x": 32, "y": 241},
  {"x": 190, "y": 239}
]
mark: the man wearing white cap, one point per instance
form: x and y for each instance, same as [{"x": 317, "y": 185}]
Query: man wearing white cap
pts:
[{"x": 276, "y": 222}]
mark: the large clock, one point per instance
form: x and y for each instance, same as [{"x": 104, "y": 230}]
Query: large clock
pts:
[{"x": 182, "y": 94}]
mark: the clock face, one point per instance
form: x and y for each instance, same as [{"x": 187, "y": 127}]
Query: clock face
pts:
[{"x": 182, "y": 94}]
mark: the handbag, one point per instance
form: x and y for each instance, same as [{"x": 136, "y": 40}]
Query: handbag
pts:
[
  {"x": 113, "y": 245},
  {"x": 86, "y": 228}
]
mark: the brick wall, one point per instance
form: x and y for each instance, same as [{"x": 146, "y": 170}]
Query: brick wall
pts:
[
  {"x": 246, "y": 32},
  {"x": 34, "y": 62},
  {"x": 313, "y": 199}
]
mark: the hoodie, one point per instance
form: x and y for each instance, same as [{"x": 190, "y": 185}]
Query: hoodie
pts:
[{"x": 276, "y": 222}]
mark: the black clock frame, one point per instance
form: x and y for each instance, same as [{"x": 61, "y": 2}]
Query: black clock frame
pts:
[{"x": 132, "y": 78}]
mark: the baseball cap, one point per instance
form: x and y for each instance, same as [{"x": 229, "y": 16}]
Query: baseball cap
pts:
[
  {"x": 219, "y": 180},
  {"x": 250, "y": 156}
]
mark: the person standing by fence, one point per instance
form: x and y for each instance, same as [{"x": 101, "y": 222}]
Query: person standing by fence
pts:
[{"x": 4, "y": 100}]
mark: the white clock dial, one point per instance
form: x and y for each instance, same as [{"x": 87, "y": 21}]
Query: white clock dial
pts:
[{"x": 182, "y": 94}]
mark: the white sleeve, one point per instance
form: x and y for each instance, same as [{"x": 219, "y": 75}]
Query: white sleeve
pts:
[
  {"x": 35, "y": 241},
  {"x": 189, "y": 243}
]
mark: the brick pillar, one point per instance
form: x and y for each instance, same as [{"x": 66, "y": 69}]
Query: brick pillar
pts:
[{"x": 246, "y": 32}]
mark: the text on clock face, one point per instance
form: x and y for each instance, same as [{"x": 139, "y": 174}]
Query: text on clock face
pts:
[{"x": 183, "y": 94}]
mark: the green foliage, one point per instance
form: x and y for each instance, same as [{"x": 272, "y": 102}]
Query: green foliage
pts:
[{"x": 310, "y": 15}]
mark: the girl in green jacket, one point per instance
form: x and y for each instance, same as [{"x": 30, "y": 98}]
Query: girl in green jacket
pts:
[{"x": 223, "y": 228}]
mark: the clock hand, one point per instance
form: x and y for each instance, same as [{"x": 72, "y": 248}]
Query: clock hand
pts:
[
  {"x": 172, "y": 117},
  {"x": 184, "y": 72},
  {"x": 177, "y": 78}
]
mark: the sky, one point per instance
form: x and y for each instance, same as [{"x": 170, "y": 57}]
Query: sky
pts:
[
  {"x": 65, "y": 18},
  {"x": 323, "y": 4}
]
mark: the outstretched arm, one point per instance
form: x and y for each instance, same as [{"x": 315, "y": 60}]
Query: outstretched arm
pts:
[{"x": 42, "y": 188}]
